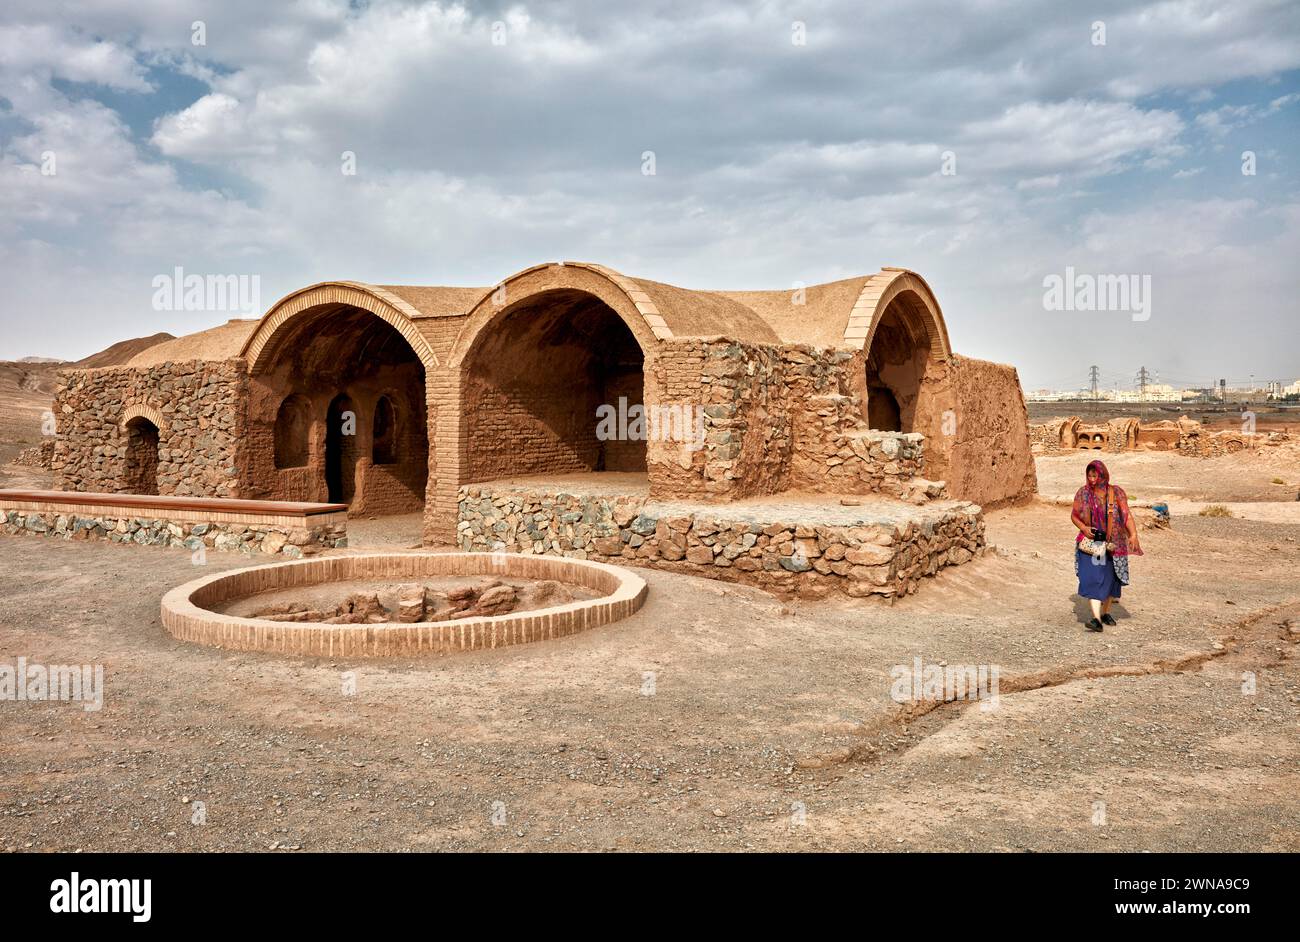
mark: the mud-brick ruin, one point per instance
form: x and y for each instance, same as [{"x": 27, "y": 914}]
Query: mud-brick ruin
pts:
[
  {"x": 826, "y": 439},
  {"x": 1185, "y": 436}
]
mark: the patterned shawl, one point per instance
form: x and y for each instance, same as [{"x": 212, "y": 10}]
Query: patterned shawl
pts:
[{"x": 1103, "y": 506}]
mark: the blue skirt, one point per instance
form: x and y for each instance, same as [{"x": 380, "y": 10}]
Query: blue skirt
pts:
[{"x": 1097, "y": 580}]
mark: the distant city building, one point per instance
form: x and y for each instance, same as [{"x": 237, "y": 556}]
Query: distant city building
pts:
[
  {"x": 1164, "y": 392},
  {"x": 1155, "y": 392}
]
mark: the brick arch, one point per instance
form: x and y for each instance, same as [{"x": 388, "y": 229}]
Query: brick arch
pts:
[
  {"x": 883, "y": 289},
  {"x": 383, "y": 304},
  {"x": 618, "y": 292},
  {"x": 143, "y": 411}
]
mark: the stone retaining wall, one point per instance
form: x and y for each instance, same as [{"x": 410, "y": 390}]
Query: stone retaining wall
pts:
[
  {"x": 886, "y": 557},
  {"x": 249, "y": 539},
  {"x": 201, "y": 405}
]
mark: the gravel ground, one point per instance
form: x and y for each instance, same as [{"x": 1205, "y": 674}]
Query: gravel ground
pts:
[
  {"x": 716, "y": 718},
  {"x": 1154, "y": 475}
]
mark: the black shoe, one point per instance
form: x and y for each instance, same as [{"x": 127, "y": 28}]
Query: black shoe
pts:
[
  {"x": 1093, "y": 625},
  {"x": 1108, "y": 619}
]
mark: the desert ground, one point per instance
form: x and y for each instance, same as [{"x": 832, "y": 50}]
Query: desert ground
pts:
[
  {"x": 1269, "y": 416},
  {"x": 716, "y": 718}
]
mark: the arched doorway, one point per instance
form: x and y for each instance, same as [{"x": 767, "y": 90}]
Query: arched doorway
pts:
[
  {"x": 897, "y": 359},
  {"x": 882, "y": 410},
  {"x": 319, "y": 383},
  {"x": 385, "y": 433},
  {"x": 293, "y": 432},
  {"x": 341, "y": 450},
  {"x": 141, "y": 474},
  {"x": 554, "y": 385}
]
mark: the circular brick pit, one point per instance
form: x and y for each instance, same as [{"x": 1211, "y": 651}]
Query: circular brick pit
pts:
[{"x": 189, "y": 611}]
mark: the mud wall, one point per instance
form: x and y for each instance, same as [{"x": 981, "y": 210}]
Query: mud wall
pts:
[{"x": 977, "y": 431}]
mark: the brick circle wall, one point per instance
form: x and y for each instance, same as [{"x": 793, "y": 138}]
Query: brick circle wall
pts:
[{"x": 187, "y": 614}]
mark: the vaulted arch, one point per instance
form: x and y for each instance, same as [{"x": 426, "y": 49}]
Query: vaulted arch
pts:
[
  {"x": 144, "y": 411},
  {"x": 289, "y": 310},
  {"x": 897, "y": 321},
  {"x": 894, "y": 287},
  {"x": 619, "y": 294}
]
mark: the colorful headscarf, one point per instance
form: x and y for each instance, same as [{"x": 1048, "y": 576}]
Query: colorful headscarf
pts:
[{"x": 1106, "y": 509}]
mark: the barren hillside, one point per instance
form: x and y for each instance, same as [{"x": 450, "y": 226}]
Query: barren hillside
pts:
[
  {"x": 27, "y": 389},
  {"x": 119, "y": 353}
]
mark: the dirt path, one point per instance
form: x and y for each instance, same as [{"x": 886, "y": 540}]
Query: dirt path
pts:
[{"x": 681, "y": 727}]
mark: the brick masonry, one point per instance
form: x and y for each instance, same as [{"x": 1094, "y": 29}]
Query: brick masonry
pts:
[{"x": 187, "y": 614}]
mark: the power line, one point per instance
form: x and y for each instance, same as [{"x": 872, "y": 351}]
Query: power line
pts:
[{"x": 1142, "y": 382}]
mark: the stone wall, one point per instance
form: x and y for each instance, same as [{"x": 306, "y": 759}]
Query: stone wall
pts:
[
  {"x": 835, "y": 451},
  {"x": 775, "y": 419},
  {"x": 1053, "y": 436},
  {"x": 201, "y": 405},
  {"x": 886, "y": 555},
  {"x": 249, "y": 539},
  {"x": 746, "y": 442}
]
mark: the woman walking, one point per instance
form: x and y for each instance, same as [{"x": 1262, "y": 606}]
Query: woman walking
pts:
[{"x": 1107, "y": 537}]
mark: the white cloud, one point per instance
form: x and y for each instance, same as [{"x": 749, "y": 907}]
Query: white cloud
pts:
[
  {"x": 775, "y": 162},
  {"x": 1081, "y": 138},
  {"x": 44, "y": 51}
]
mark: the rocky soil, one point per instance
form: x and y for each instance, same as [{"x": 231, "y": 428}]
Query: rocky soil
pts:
[
  {"x": 1152, "y": 475},
  {"x": 363, "y": 602},
  {"x": 717, "y": 717}
]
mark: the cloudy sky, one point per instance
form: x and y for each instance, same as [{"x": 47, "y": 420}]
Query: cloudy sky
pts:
[{"x": 792, "y": 142}]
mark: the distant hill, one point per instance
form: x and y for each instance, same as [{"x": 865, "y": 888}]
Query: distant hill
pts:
[
  {"x": 119, "y": 353},
  {"x": 27, "y": 386}
]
